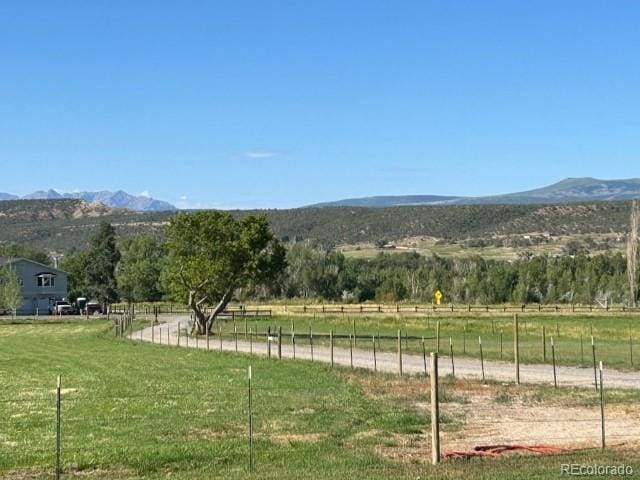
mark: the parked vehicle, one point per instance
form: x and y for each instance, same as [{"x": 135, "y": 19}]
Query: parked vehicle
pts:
[
  {"x": 88, "y": 307},
  {"x": 60, "y": 307},
  {"x": 81, "y": 305},
  {"x": 93, "y": 307}
]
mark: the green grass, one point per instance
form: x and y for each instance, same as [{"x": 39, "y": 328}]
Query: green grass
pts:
[
  {"x": 147, "y": 411},
  {"x": 142, "y": 411},
  {"x": 611, "y": 335}
]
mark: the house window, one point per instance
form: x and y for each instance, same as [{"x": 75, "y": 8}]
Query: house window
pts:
[{"x": 46, "y": 280}]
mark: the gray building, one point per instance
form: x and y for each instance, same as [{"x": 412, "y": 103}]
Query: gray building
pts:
[{"x": 41, "y": 284}]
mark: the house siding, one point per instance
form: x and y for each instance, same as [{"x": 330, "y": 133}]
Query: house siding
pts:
[{"x": 37, "y": 298}]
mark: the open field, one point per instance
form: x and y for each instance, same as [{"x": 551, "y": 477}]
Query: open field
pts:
[
  {"x": 135, "y": 410},
  {"x": 490, "y": 248}
]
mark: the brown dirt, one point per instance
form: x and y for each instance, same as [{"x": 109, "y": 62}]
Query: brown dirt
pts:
[
  {"x": 494, "y": 414},
  {"x": 287, "y": 438}
]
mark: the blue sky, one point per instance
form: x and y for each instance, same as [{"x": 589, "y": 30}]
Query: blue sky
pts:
[{"x": 277, "y": 104}]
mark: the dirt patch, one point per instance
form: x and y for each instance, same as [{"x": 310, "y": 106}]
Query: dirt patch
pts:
[
  {"x": 390, "y": 387},
  {"x": 288, "y": 438},
  {"x": 70, "y": 472},
  {"x": 511, "y": 421},
  {"x": 414, "y": 448},
  {"x": 207, "y": 434},
  {"x": 479, "y": 414}
]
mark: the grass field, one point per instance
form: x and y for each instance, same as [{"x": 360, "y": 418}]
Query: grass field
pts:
[
  {"x": 617, "y": 338},
  {"x": 428, "y": 246},
  {"x": 148, "y": 411}
]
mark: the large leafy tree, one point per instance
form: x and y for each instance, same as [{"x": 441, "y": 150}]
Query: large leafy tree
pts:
[
  {"x": 102, "y": 260},
  {"x": 75, "y": 264},
  {"x": 211, "y": 255},
  {"x": 138, "y": 274}
]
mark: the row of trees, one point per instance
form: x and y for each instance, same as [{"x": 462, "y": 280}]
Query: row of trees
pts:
[
  {"x": 313, "y": 273},
  {"x": 145, "y": 270},
  {"x": 208, "y": 258}
]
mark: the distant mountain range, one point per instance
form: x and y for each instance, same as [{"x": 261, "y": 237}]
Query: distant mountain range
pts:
[
  {"x": 119, "y": 199},
  {"x": 568, "y": 190}
]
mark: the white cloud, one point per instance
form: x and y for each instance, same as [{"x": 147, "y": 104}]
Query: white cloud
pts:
[
  {"x": 145, "y": 194},
  {"x": 260, "y": 154}
]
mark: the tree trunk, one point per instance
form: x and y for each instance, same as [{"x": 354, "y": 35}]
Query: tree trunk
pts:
[{"x": 204, "y": 322}]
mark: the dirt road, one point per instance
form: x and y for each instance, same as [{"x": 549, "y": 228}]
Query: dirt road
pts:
[{"x": 167, "y": 333}]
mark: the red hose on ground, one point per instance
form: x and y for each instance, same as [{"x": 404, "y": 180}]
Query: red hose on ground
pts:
[{"x": 496, "y": 450}]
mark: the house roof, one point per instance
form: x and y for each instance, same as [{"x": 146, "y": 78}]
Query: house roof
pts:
[{"x": 9, "y": 261}]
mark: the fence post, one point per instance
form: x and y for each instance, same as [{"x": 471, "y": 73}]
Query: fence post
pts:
[
  {"x": 153, "y": 332},
  {"x": 602, "y": 406},
  {"x": 399, "y": 352},
  {"x": 544, "y": 345},
  {"x": 593, "y": 352},
  {"x": 438, "y": 337},
  {"x": 553, "y": 359},
  {"x": 481, "y": 357},
  {"x": 355, "y": 338},
  {"x": 331, "y": 345},
  {"x": 516, "y": 348},
  {"x": 453, "y": 365},
  {"x": 250, "y": 425},
  {"x": 375, "y": 362},
  {"x": 351, "y": 351},
  {"x": 424, "y": 357},
  {"x": 464, "y": 340},
  {"x": 269, "y": 341},
  {"x": 311, "y": 341},
  {"x": 279, "y": 343},
  {"x": 58, "y": 429},
  {"x": 435, "y": 411}
]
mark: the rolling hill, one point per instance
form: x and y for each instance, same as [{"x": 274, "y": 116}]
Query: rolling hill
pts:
[
  {"x": 65, "y": 224},
  {"x": 568, "y": 190}
]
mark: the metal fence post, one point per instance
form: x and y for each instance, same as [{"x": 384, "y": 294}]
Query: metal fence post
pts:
[
  {"x": 435, "y": 411},
  {"x": 250, "y": 424},
  {"x": 602, "y": 407},
  {"x": 58, "y": 429}
]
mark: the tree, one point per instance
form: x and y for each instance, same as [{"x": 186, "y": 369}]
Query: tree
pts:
[
  {"x": 211, "y": 255},
  {"x": 102, "y": 259},
  {"x": 10, "y": 290},
  {"x": 138, "y": 275},
  {"x": 632, "y": 254},
  {"x": 75, "y": 264},
  {"x": 17, "y": 250}
]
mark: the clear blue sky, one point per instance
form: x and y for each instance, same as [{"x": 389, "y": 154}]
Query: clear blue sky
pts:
[{"x": 285, "y": 103}]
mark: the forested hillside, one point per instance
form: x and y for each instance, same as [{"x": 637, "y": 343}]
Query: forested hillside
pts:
[{"x": 63, "y": 225}]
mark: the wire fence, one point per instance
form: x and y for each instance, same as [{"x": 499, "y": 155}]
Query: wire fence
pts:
[{"x": 243, "y": 425}]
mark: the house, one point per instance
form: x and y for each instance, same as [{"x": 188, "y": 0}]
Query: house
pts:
[{"x": 41, "y": 284}]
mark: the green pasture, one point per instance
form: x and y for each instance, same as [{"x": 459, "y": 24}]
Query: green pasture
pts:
[
  {"x": 142, "y": 411},
  {"x": 616, "y": 338}
]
